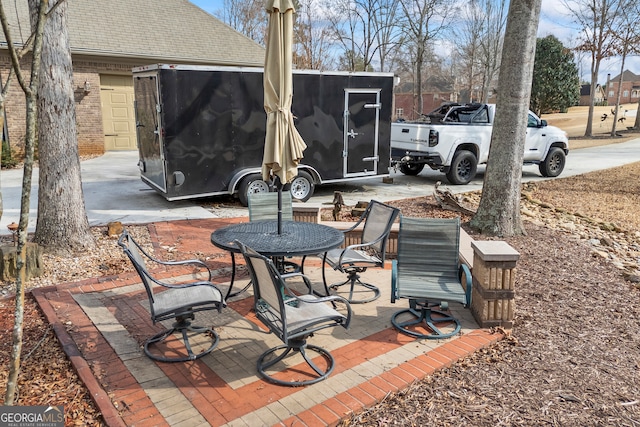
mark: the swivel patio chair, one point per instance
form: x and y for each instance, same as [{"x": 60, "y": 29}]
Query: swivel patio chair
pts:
[
  {"x": 177, "y": 301},
  {"x": 356, "y": 258},
  {"x": 293, "y": 318},
  {"x": 428, "y": 272}
]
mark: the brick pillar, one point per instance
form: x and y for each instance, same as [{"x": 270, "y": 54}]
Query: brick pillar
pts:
[{"x": 494, "y": 276}]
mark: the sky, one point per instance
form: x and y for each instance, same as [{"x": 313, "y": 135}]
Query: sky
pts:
[{"x": 554, "y": 20}]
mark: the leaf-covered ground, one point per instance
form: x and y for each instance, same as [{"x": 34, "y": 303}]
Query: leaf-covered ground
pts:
[{"x": 573, "y": 357}]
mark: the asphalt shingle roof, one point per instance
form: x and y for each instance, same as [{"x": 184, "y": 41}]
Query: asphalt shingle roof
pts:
[{"x": 149, "y": 30}]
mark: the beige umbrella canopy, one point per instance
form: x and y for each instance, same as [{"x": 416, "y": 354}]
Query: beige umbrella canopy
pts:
[{"x": 283, "y": 144}]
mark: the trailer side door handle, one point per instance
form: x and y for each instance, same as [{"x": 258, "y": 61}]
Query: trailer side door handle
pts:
[
  {"x": 373, "y": 105},
  {"x": 352, "y": 134},
  {"x": 371, "y": 159}
]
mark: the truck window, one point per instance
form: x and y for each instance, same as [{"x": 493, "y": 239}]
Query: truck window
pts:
[
  {"x": 532, "y": 122},
  {"x": 481, "y": 117},
  {"x": 464, "y": 117}
]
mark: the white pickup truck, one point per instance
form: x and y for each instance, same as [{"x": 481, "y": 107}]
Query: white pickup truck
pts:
[{"x": 455, "y": 139}]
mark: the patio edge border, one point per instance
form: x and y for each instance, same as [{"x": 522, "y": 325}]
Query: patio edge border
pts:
[{"x": 109, "y": 414}]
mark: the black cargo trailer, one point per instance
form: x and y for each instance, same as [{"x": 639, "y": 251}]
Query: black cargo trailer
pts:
[{"x": 201, "y": 129}]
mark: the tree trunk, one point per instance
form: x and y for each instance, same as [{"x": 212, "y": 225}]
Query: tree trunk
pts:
[
  {"x": 37, "y": 9},
  {"x": 618, "y": 96},
  {"x": 62, "y": 226},
  {"x": 419, "y": 63},
  {"x": 499, "y": 210},
  {"x": 636, "y": 125}
]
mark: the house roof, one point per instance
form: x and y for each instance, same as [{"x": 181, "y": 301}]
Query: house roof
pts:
[
  {"x": 432, "y": 84},
  {"x": 585, "y": 90},
  {"x": 627, "y": 76},
  {"x": 147, "y": 31}
]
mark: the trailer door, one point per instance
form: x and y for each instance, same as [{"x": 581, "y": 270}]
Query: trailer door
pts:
[
  {"x": 149, "y": 131},
  {"x": 361, "y": 121}
]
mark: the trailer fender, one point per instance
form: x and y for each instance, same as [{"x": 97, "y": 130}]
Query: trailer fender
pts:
[{"x": 232, "y": 188}]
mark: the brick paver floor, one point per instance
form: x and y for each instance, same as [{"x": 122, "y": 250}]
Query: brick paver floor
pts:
[{"x": 102, "y": 323}]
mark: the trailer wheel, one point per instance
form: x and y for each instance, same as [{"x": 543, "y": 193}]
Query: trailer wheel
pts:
[
  {"x": 251, "y": 184},
  {"x": 411, "y": 168},
  {"x": 302, "y": 186},
  {"x": 463, "y": 168},
  {"x": 553, "y": 164}
]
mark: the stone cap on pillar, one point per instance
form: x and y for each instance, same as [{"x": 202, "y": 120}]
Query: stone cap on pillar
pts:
[{"x": 494, "y": 251}]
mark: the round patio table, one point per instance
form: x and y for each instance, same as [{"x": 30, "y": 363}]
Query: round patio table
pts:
[{"x": 296, "y": 239}]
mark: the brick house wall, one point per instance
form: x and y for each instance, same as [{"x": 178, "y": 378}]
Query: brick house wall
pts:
[
  {"x": 404, "y": 106},
  {"x": 630, "y": 89},
  {"x": 88, "y": 107}
]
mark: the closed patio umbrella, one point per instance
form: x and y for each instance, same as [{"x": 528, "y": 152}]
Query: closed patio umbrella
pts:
[{"x": 283, "y": 144}]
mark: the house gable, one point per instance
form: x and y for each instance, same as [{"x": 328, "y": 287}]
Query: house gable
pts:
[{"x": 147, "y": 31}]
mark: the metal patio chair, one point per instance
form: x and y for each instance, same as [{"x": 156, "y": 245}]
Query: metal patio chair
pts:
[
  {"x": 429, "y": 273},
  {"x": 177, "y": 301},
  {"x": 293, "y": 318},
  {"x": 369, "y": 252}
]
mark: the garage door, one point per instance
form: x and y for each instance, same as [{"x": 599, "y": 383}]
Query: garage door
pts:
[{"x": 118, "y": 118}]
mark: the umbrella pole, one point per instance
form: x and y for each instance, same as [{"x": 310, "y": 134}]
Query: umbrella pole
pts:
[{"x": 279, "y": 187}]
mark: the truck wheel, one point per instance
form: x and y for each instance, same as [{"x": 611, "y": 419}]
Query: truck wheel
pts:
[
  {"x": 411, "y": 168},
  {"x": 251, "y": 184},
  {"x": 553, "y": 164},
  {"x": 302, "y": 186},
  {"x": 463, "y": 168}
]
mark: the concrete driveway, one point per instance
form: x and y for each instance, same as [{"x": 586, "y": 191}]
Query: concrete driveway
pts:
[{"x": 113, "y": 189}]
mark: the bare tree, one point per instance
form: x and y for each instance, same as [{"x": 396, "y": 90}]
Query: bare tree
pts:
[
  {"x": 313, "y": 37},
  {"x": 626, "y": 39},
  {"x": 247, "y": 17},
  {"x": 469, "y": 35},
  {"x": 499, "y": 210},
  {"x": 423, "y": 21},
  {"x": 594, "y": 17},
  {"x": 387, "y": 32},
  {"x": 491, "y": 43},
  {"x": 352, "y": 28},
  {"x": 30, "y": 89},
  {"x": 62, "y": 226},
  {"x": 365, "y": 29}
]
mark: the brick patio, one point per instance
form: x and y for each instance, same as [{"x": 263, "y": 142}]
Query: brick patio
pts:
[{"x": 101, "y": 324}]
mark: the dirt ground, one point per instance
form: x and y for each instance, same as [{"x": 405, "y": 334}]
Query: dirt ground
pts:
[{"x": 572, "y": 357}]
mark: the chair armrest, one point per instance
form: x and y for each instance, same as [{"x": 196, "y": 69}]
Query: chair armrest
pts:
[
  {"x": 394, "y": 280},
  {"x": 357, "y": 246},
  {"x": 185, "y": 285},
  {"x": 305, "y": 279},
  {"x": 464, "y": 269},
  {"x": 332, "y": 299},
  {"x": 196, "y": 262}
]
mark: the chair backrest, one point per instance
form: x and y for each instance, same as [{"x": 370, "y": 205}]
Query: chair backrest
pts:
[
  {"x": 378, "y": 220},
  {"x": 429, "y": 261},
  {"x": 429, "y": 246},
  {"x": 267, "y": 285},
  {"x": 135, "y": 254},
  {"x": 265, "y": 206}
]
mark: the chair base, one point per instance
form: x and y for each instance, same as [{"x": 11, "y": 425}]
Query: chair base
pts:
[
  {"x": 438, "y": 324},
  {"x": 357, "y": 289},
  {"x": 301, "y": 347},
  {"x": 184, "y": 327}
]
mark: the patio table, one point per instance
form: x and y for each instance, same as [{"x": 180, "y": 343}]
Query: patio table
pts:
[{"x": 296, "y": 239}]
